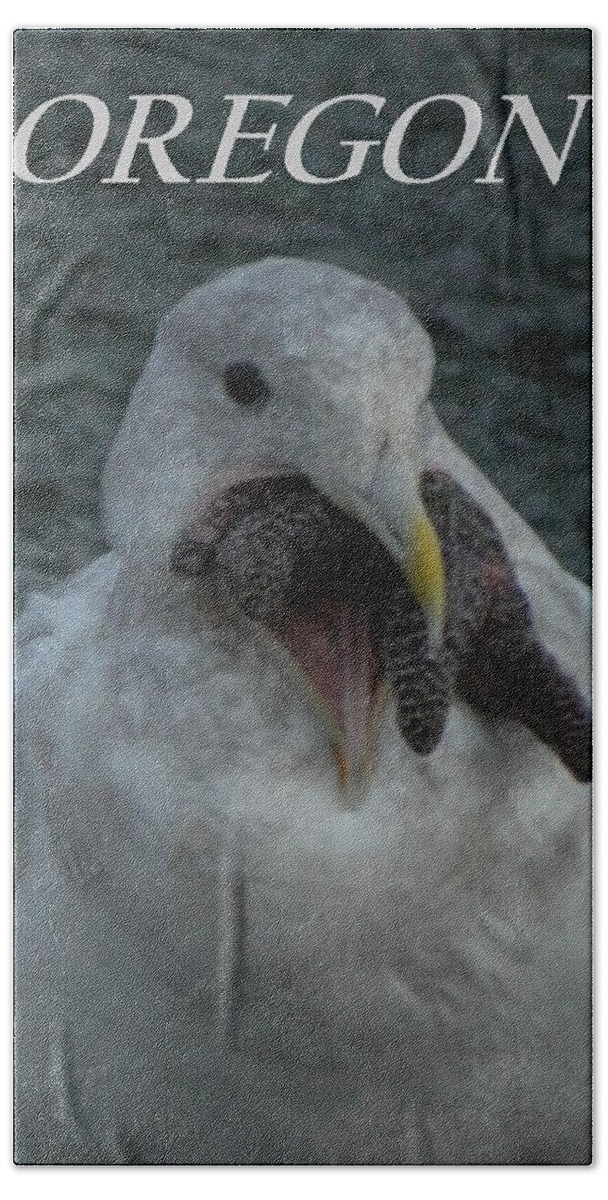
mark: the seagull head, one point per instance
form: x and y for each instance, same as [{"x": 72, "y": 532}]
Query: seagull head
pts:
[{"x": 294, "y": 386}]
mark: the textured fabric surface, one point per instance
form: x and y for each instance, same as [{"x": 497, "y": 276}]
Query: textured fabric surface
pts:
[
  {"x": 499, "y": 274},
  {"x": 229, "y": 946}
]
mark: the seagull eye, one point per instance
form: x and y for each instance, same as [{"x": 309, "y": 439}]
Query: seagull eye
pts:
[{"x": 246, "y": 385}]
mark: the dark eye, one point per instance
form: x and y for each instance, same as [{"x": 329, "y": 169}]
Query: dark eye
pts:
[{"x": 246, "y": 385}]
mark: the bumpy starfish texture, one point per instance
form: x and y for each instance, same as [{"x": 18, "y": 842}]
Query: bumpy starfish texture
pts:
[
  {"x": 282, "y": 545},
  {"x": 497, "y": 662}
]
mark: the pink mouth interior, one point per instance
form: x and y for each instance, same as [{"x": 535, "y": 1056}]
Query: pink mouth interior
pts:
[
  {"x": 330, "y": 640},
  {"x": 333, "y": 647}
]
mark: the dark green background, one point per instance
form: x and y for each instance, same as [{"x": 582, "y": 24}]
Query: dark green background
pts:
[{"x": 499, "y": 274}]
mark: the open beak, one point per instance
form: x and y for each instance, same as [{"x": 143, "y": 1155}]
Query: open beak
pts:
[
  {"x": 334, "y": 652},
  {"x": 326, "y": 628}
]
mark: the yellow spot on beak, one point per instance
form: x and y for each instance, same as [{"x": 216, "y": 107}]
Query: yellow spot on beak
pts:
[{"x": 425, "y": 573}]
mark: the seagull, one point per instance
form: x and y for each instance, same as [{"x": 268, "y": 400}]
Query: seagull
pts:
[{"x": 302, "y": 820}]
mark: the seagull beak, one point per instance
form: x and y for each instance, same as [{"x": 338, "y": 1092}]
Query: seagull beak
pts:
[
  {"x": 327, "y": 624},
  {"x": 425, "y": 572},
  {"x": 334, "y": 653},
  {"x": 409, "y": 537},
  {"x": 348, "y": 649}
]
